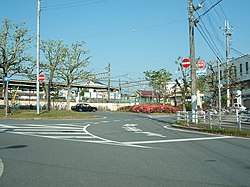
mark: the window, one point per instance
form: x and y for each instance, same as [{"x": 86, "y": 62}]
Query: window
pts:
[
  {"x": 235, "y": 72},
  {"x": 246, "y": 67}
]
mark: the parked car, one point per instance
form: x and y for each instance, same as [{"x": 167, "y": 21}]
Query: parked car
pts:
[
  {"x": 239, "y": 107},
  {"x": 245, "y": 115},
  {"x": 84, "y": 108}
]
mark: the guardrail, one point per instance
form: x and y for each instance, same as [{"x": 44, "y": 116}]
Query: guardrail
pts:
[{"x": 240, "y": 121}]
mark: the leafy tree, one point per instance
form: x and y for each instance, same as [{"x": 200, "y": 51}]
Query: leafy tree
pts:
[
  {"x": 14, "y": 42},
  {"x": 73, "y": 67},
  {"x": 159, "y": 80},
  {"x": 55, "y": 54}
]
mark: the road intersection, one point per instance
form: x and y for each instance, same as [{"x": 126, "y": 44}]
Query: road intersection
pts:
[{"x": 118, "y": 150}]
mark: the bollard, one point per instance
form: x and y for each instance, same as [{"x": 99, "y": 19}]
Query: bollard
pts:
[
  {"x": 210, "y": 120},
  {"x": 239, "y": 121},
  {"x": 178, "y": 116},
  {"x": 187, "y": 119}
]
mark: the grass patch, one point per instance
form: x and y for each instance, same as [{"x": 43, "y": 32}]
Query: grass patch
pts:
[
  {"x": 228, "y": 132},
  {"x": 45, "y": 114},
  {"x": 215, "y": 130}
]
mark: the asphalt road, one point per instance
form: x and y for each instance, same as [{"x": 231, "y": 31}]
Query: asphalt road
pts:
[{"x": 119, "y": 149}]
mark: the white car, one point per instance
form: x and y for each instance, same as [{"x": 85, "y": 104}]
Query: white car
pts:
[{"x": 239, "y": 107}]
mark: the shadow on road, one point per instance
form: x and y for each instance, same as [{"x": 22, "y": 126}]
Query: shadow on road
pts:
[{"x": 14, "y": 147}]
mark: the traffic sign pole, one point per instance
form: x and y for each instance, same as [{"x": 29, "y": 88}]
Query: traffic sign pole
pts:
[{"x": 6, "y": 99}]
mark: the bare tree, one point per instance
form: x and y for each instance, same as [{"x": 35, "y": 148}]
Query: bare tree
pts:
[
  {"x": 73, "y": 68},
  {"x": 184, "y": 85},
  {"x": 55, "y": 53},
  {"x": 14, "y": 42}
]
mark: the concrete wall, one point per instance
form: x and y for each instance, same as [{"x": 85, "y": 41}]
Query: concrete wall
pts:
[{"x": 61, "y": 105}]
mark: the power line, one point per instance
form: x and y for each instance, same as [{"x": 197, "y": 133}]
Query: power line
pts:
[
  {"x": 215, "y": 10},
  {"x": 197, "y": 19},
  {"x": 71, "y": 5},
  {"x": 210, "y": 42}
]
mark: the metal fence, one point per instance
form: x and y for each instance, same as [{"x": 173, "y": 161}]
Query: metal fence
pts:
[{"x": 240, "y": 121}]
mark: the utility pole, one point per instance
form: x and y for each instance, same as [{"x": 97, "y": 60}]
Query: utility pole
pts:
[
  {"x": 192, "y": 23},
  {"x": 108, "y": 82},
  {"x": 38, "y": 57},
  {"x": 192, "y": 60},
  {"x": 228, "y": 34},
  {"x": 219, "y": 91}
]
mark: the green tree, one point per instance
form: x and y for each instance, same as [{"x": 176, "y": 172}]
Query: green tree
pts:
[
  {"x": 73, "y": 68},
  {"x": 159, "y": 80},
  {"x": 14, "y": 42}
]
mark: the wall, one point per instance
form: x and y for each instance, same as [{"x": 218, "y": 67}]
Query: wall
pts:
[{"x": 61, "y": 105}]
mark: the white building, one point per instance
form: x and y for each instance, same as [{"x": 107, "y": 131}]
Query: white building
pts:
[
  {"x": 239, "y": 71},
  {"x": 242, "y": 73}
]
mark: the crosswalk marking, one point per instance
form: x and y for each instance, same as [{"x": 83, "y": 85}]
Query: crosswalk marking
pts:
[
  {"x": 54, "y": 131},
  {"x": 68, "y": 132}
]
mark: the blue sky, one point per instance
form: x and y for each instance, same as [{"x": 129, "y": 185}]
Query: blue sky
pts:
[{"x": 135, "y": 35}]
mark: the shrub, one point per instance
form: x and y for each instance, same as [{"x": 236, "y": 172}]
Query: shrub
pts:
[{"x": 153, "y": 108}]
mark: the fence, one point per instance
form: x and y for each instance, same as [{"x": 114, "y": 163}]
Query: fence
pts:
[{"x": 240, "y": 121}]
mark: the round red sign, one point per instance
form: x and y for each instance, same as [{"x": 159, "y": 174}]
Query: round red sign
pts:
[
  {"x": 201, "y": 64},
  {"x": 185, "y": 63},
  {"x": 41, "y": 77}
]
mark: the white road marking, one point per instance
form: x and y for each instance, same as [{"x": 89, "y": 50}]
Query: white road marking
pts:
[
  {"x": 1, "y": 167},
  {"x": 57, "y": 133},
  {"x": 104, "y": 121},
  {"x": 130, "y": 125},
  {"x": 81, "y": 134},
  {"x": 132, "y": 128},
  {"x": 150, "y": 116},
  {"x": 177, "y": 140},
  {"x": 152, "y": 134},
  {"x": 106, "y": 141}
]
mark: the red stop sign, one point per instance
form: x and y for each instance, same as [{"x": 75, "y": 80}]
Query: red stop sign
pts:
[
  {"x": 41, "y": 77},
  {"x": 201, "y": 64},
  {"x": 186, "y": 63}
]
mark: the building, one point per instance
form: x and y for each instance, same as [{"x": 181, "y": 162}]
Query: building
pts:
[
  {"x": 240, "y": 73},
  {"x": 26, "y": 90}
]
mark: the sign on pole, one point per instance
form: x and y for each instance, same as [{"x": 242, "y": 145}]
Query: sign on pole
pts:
[
  {"x": 201, "y": 64},
  {"x": 6, "y": 78},
  {"x": 41, "y": 77},
  {"x": 186, "y": 63}
]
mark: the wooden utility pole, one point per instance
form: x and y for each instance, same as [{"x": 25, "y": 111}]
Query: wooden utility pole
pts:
[{"x": 192, "y": 60}]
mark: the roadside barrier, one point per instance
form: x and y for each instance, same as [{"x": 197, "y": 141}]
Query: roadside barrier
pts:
[{"x": 240, "y": 121}]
